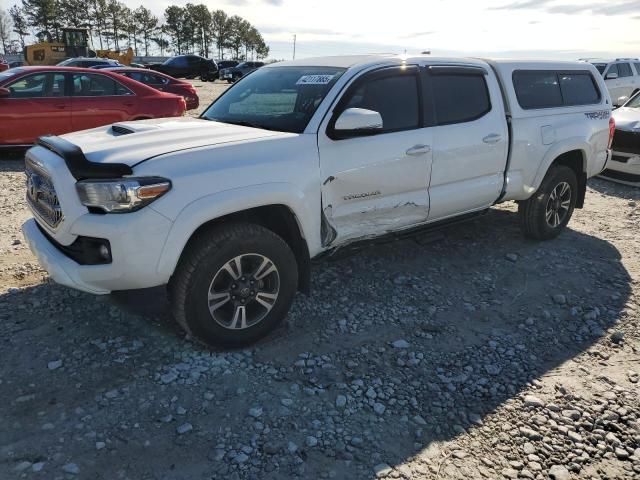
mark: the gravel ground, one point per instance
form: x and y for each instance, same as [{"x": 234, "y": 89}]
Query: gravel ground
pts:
[{"x": 468, "y": 354}]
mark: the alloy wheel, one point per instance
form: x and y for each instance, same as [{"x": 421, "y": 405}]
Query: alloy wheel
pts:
[
  {"x": 558, "y": 204},
  {"x": 243, "y": 291}
]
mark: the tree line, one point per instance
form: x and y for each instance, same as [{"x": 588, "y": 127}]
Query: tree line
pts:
[{"x": 113, "y": 25}]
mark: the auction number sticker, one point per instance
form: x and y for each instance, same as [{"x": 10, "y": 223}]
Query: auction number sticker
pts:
[{"x": 314, "y": 79}]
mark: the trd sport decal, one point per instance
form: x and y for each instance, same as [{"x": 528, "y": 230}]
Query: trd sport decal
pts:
[
  {"x": 356, "y": 196},
  {"x": 601, "y": 115}
]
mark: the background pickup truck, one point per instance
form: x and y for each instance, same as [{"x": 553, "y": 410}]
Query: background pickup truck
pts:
[{"x": 301, "y": 158}]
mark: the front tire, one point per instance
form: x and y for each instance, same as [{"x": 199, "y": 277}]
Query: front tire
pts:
[
  {"x": 548, "y": 211},
  {"x": 233, "y": 285}
]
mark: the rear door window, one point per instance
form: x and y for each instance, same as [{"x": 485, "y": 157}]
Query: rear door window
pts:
[
  {"x": 459, "y": 98},
  {"x": 637, "y": 65},
  {"x": 92, "y": 85},
  {"x": 624, "y": 70}
]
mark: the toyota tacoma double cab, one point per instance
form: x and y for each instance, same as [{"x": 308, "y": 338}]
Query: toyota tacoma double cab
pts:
[{"x": 302, "y": 158}]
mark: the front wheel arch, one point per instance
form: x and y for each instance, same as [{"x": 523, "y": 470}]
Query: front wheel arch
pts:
[{"x": 281, "y": 221}]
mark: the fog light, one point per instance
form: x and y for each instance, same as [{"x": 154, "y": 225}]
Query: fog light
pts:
[{"x": 104, "y": 252}]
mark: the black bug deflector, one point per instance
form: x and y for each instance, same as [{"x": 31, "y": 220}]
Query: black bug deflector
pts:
[{"x": 79, "y": 166}]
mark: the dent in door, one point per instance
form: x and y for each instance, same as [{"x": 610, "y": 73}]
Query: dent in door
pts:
[{"x": 368, "y": 223}]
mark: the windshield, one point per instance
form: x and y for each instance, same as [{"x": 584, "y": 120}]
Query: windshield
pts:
[
  {"x": 634, "y": 102},
  {"x": 279, "y": 98},
  {"x": 601, "y": 67}
]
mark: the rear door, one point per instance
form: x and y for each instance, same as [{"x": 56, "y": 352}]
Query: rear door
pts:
[
  {"x": 37, "y": 106},
  {"x": 470, "y": 139},
  {"x": 99, "y": 100},
  {"x": 377, "y": 183}
]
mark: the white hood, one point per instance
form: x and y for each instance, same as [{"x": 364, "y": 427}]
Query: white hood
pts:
[
  {"x": 145, "y": 139},
  {"x": 627, "y": 119}
]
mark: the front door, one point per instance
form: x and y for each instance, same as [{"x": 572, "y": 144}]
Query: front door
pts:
[
  {"x": 36, "y": 106},
  {"x": 470, "y": 139},
  {"x": 377, "y": 183}
]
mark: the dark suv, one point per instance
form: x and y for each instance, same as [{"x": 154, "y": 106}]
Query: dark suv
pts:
[
  {"x": 188, "y": 66},
  {"x": 236, "y": 73}
]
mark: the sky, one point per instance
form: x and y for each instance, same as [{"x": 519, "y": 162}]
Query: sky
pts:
[{"x": 558, "y": 29}]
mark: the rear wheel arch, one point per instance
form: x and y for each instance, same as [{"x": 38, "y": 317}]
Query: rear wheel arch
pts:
[
  {"x": 576, "y": 161},
  {"x": 279, "y": 219}
]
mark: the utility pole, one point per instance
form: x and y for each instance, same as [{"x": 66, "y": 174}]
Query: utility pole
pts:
[{"x": 294, "y": 46}]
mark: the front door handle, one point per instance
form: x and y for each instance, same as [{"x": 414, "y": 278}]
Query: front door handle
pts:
[
  {"x": 417, "y": 150},
  {"x": 493, "y": 138},
  {"x": 61, "y": 106}
]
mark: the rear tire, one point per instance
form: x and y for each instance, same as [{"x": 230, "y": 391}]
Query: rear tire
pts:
[
  {"x": 548, "y": 211},
  {"x": 216, "y": 308}
]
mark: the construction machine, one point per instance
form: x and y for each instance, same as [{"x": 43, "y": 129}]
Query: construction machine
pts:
[{"x": 75, "y": 43}]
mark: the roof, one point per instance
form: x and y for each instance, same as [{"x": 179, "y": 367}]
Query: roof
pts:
[
  {"x": 350, "y": 61},
  {"x": 340, "y": 61},
  {"x": 57, "y": 68}
]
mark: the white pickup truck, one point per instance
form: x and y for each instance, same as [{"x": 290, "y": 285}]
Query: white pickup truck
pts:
[{"x": 300, "y": 158}]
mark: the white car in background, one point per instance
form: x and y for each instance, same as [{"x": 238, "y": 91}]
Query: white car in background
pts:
[
  {"x": 622, "y": 77},
  {"x": 624, "y": 166}
]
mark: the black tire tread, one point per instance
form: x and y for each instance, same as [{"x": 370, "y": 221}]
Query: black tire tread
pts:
[
  {"x": 196, "y": 250},
  {"x": 533, "y": 209}
]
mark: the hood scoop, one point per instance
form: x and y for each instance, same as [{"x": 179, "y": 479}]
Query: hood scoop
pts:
[{"x": 118, "y": 130}]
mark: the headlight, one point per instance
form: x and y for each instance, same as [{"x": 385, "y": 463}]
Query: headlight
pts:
[{"x": 122, "y": 195}]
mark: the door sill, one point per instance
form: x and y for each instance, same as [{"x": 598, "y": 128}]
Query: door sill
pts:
[{"x": 355, "y": 246}]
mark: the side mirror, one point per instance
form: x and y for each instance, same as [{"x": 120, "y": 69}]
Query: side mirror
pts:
[
  {"x": 611, "y": 76},
  {"x": 358, "y": 120},
  {"x": 4, "y": 92},
  {"x": 621, "y": 101}
]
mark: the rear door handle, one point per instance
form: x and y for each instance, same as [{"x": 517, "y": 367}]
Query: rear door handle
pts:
[
  {"x": 417, "y": 150},
  {"x": 61, "y": 107},
  {"x": 493, "y": 138}
]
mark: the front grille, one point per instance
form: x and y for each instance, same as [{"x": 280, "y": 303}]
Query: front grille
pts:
[
  {"x": 41, "y": 194},
  {"x": 626, "y": 142}
]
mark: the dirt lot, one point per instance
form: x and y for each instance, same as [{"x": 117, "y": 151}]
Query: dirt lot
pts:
[{"x": 477, "y": 354}]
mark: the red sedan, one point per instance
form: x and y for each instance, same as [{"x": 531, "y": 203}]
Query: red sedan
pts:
[
  {"x": 162, "y": 82},
  {"x": 36, "y": 101}
]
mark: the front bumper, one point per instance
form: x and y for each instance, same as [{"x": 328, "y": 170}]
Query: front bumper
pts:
[
  {"x": 624, "y": 168},
  {"x": 61, "y": 268},
  {"x": 136, "y": 239}
]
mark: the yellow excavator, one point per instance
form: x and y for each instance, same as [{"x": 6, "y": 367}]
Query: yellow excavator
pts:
[{"x": 75, "y": 43}]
